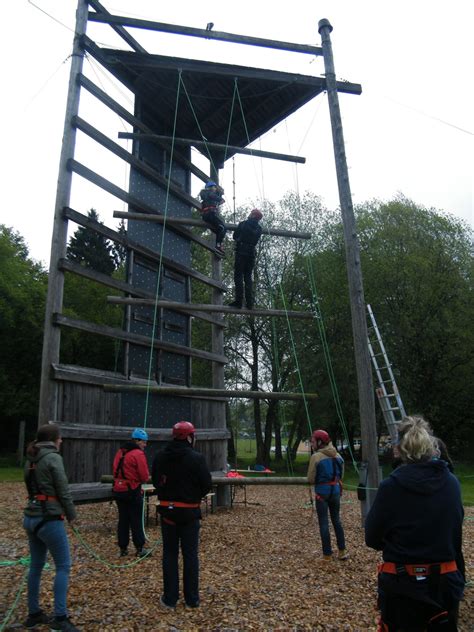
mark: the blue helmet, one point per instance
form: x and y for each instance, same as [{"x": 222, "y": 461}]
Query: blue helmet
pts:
[
  {"x": 140, "y": 434},
  {"x": 210, "y": 184}
]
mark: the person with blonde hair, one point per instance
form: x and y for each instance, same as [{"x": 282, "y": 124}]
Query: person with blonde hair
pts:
[{"x": 416, "y": 521}]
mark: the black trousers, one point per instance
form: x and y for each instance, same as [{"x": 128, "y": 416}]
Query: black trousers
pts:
[
  {"x": 185, "y": 536},
  {"x": 130, "y": 510},
  {"x": 243, "y": 268},
  {"x": 415, "y": 606},
  {"x": 216, "y": 224}
]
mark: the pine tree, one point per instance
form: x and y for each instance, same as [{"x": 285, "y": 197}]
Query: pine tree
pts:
[
  {"x": 90, "y": 249},
  {"x": 119, "y": 252}
]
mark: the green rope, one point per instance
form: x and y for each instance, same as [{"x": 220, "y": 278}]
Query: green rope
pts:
[
  {"x": 160, "y": 264},
  {"x": 15, "y": 602},
  {"x": 327, "y": 358},
  {"x": 230, "y": 119},
  {"x": 105, "y": 562},
  {"x": 204, "y": 139}
]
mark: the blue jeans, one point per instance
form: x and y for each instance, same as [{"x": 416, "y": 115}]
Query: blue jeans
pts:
[
  {"x": 50, "y": 537},
  {"x": 188, "y": 536},
  {"x": 331, "y": 503}
]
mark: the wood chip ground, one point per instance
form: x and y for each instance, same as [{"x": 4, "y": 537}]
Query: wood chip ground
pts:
[{"x": 261, "y": 569}]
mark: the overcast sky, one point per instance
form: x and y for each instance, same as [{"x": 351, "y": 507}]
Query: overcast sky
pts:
[{"x": 411, "y": 131}]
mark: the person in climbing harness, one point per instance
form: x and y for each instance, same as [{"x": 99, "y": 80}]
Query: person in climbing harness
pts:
[
  {"x": 211, "y": 200},
  {"x": 246, "y": 236},
  {"x": 49, "y": 502},
  {"x": 325, "y": 472},
  {"x": 416, "y": 521},
  {"x": 181, "y": 478},
  {"x": 130, "y": 469}
]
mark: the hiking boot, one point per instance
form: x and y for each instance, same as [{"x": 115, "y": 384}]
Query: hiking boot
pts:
[
  {"x": 143, "y": 553},
  {"x": 342, "y": 554},
  {"x": 327, "y": 558},
  {"x": 166, "y": 606},
  {"x": 193, "y": 605},
  {"x": 220, "y": 249},
  {"x": 123, "y": 552},
  {"x": 62, "y": 624},
  {"x": 38, "y": 618},
  {"x": 235, "y": 304}
]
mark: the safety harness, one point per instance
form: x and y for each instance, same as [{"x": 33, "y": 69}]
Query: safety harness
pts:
[
  {"x": 120, "y": 480},
  {"x": 171, "y": 504},
  {"x": 418, "y": 570},
  {"x": 35, "y": 494},
  {"x": 208, "y": 209},
  {"x": 335, "y": 480}
]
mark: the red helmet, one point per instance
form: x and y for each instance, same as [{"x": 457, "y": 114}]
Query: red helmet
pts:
[
  {"x": 321, "y": 438},
  {"x": 182, "y": 430},
  {"x": 256, "y": 214}
]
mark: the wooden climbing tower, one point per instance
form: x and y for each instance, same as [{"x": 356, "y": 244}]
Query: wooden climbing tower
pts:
[{"x": 98, "y": 408}]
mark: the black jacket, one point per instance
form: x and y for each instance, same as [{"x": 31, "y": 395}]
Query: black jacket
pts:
[
  {"x": 417, "y": 518},
  {"x": 179, "y": 473},
  {"x": 246, "y": 236}
]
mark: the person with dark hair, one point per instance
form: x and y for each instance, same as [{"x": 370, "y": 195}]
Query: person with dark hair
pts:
[
  {"x": 211, "y": 199},
  {"x": 416, "y": 521},
  {"x": 49, "y": 501},
  {"x": 181, "y": 478},
  {"x": 325, "y": 472},
  {"x": 246, "y": 236},
  {"x": 444, "y": 454},
  {"x": 130, "y": 469}
]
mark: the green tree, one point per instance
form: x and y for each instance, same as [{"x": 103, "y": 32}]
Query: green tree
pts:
[
  {"x": 417, "y": 266},
  {"x": 23, "y": 284},
  {"x": 91, "y": 249}
]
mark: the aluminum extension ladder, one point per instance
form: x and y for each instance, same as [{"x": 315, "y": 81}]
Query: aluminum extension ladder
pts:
[{"x": 387, "y": 392}]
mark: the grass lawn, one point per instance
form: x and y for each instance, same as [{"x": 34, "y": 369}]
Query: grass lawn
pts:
[
  {"x": 246, "y": 450},
  {"x": 246, "y": 459}
]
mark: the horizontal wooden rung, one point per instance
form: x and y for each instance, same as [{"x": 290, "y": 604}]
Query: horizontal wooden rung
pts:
[
  {"x": 206, "y": 393},
  {"x": 184, "y": 221},
  {"x": 204, "y": 307}
]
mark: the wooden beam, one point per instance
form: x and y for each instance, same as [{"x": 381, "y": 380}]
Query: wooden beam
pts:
[
  {"x": 208, "y": 393},
  {"x": 161, "y": 219},
  {"x": 102, "y": 432},
  {"x": 138, "y": 124},
  {"x": 141, "y": 166},
  {"x": 206, "y": 144},
  {"x": 131, "y": 41},
  {"x": 194, "y": 32},
  {"x": 354, "y": 274},
  {"x": 131, "y": 200},
  {"x": 244, "y": 480},
  {"x": 48, "y": 395},
  {"x": 152, "y": 255},
  {"x": 260, "y": 480},
  {"x": 204, "y": 307},
  {"x": 137, "y": 339}
]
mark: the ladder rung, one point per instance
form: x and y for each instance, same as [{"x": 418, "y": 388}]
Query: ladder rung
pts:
[{"x": 388, "y": 395}]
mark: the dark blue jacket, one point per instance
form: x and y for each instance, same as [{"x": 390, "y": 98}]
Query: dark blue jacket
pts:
[{"x": 417, "y": 515}]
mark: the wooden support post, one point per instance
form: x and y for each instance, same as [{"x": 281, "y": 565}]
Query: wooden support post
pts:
[
  {"x": 21, "y": 443},
  {"x": 52, "y": 334},
  {"x": 354, "y": 273}
]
